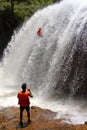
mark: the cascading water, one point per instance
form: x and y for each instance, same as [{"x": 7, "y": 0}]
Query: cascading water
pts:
[{"x": 53, "y": 66}]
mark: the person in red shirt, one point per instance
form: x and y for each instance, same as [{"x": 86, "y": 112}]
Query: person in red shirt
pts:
[
  {"x": 39, "y": 32},
  {"x": 23, "y": 101}
]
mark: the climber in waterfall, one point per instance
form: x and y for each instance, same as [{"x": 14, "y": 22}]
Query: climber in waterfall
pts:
[
  {"x": 23, "y": 101},
  {"x": 40, "y": 32}
]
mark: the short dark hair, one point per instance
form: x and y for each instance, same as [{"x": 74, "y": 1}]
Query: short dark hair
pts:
[{"x": 24, "y": 86}]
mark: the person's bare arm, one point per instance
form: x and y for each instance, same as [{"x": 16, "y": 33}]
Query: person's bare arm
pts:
[{"x": 30, "y": 93}]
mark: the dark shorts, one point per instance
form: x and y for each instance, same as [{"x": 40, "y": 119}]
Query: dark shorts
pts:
[{"x": 27, "y": 108}]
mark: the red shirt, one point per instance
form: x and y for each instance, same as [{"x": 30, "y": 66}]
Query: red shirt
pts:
[
  {"x": 39, "y": 32},
  {"x": 23, "y": 98}
]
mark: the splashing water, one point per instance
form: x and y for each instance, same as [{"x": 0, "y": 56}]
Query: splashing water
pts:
[{"x": 53, "y": 66}]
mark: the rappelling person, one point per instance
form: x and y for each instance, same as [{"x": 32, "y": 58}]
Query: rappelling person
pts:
[
  {"x": 40, "y": 32},
  {"x": 24, "y": 102}
]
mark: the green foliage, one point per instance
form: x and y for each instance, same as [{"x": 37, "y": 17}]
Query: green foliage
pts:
[
  {"x": 26, "y": 8},
  {"x": 4, "y": 5}
]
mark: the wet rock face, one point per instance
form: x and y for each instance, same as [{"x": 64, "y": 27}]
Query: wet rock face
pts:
[
  {"x": 77, "y": 61},
  {"x": 73, "y": 71}
]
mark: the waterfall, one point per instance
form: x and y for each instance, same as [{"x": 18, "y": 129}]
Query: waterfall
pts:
[{"x": 53, "y": 66}]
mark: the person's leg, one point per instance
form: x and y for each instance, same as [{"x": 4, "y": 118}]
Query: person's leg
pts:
[
  {"x": 28, "y": 113},
  {"x": 21, "y": 115}
]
